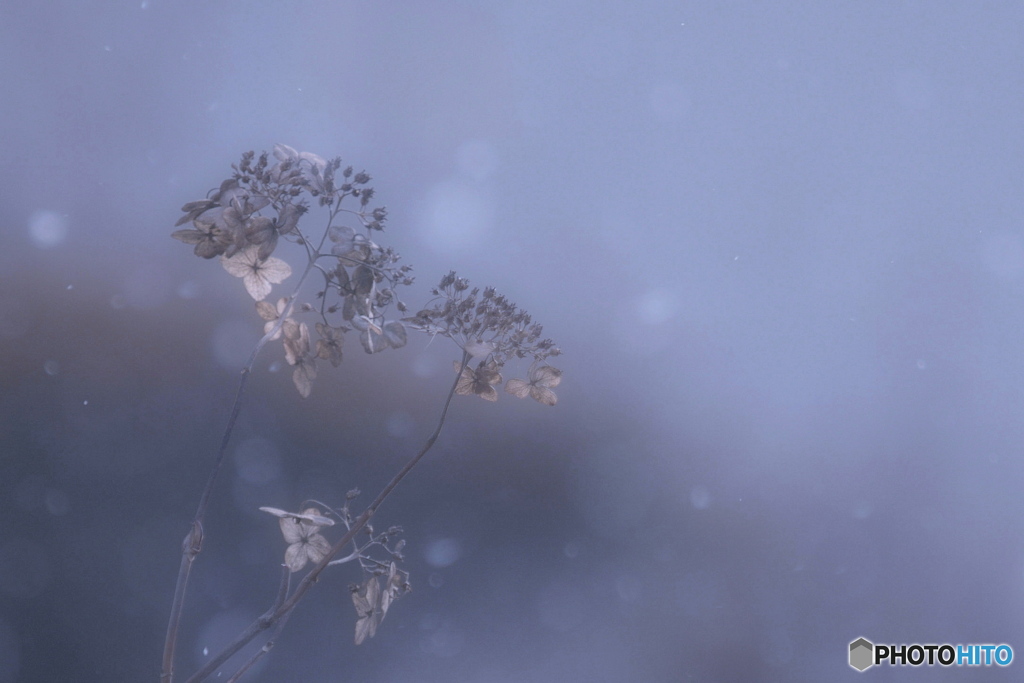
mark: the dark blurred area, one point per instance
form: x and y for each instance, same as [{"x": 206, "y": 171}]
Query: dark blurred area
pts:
[{"x": 780, "y": 245}]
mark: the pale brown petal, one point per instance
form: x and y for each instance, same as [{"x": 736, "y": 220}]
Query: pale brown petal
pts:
[
  {"x": 394, "y": 332},
  {"x": 291, "y": 529},
  {"x": 545, "y": 376},
  {"x": 543, "y": 395},
  {"x": 267, "y": 311},
  {"x": 295, "y": 557},
  {"x": 189, "y": 236},
  {"x": 518, "y": 388},
  {"x": 366, "y": 599},
  {"x": 303, "y": 377},
  {"x": 317, "y": 547}
]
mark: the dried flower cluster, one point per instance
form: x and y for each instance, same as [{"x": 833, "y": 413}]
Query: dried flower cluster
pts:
[
  {"x": 302, "y": 533},
  {"x": 372, "y": 603},
  {"x": 306, "y": 545},
  {"x": 488, "y": 326},
  {"x": 359, "y": 275}
]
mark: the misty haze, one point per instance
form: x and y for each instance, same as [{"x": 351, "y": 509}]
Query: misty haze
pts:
[{"x": 779, "y": 245}]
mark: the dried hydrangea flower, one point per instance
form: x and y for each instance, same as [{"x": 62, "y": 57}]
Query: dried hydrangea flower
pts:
[
  {"x": 478, "y": 381},
  {"x": 372, "y": 603},
  {"x": 209, "y": 239},
  {"x": 542, "y": 378},
  {"x": 328, "y": 346},
  {"x": 302, "y": 533},
  {"x": 257, "y": 274},
  {"x": 361, "y": 282},
  {"x": 366, "y": 598}
]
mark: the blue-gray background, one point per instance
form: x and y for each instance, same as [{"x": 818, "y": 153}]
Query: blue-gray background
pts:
[{"x": 781, "y": 246}]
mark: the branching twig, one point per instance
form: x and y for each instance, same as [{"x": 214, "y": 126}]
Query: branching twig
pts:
[
  {"x": 282, "y": 593},
  {"x": 278, "y": 612}
]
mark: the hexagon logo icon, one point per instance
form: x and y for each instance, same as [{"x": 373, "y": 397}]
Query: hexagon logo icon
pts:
[{"x": 861, "y": 654}]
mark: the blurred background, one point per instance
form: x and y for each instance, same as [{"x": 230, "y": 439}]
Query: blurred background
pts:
[{"x": 779, "y": 243}]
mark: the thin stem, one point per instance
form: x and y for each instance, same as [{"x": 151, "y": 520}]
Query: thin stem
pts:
[
  {"x": 282, "y": 592},
  {"x": 278, "y": 612},
  {"x": 355, "y": 554},
  {"x": 193, "y": 543}
]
